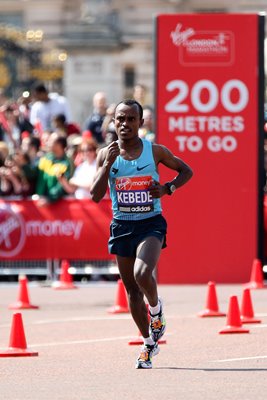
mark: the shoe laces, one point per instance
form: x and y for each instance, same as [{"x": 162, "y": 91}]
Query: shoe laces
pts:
[
  {"x": 145, "y": 352},
  {"x": 144, "y": 355}
]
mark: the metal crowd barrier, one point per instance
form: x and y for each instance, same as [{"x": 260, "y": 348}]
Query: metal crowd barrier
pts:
[{"x": 50, "y": 269}]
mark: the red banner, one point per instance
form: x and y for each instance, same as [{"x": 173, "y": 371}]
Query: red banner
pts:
[
  {"x": 73, "y": 229},
  {"x": 208, "y": 114}
]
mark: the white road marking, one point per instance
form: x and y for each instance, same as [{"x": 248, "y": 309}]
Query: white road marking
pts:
[
  {"x": 5, "y": 326},
  {"x": 259, "y": 326},
  {"x": 74, "y": 319},
  {"x": 86, "y": 341},
  {"x": 93, "y": 318},
  {"x": 78, "y": 342},
  {"x": 239, "y": 359},
  {"x": 78, "y": 319}
]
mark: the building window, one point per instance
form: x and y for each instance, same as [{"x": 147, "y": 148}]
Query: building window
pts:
[
  {"x": 129, "y": 77},
  {"x": 129, "y": 80}
]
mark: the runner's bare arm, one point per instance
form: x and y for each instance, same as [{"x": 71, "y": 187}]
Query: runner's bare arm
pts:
[
  {"x": 164, "y": 156},
  {"x": 105, "y": 159}
]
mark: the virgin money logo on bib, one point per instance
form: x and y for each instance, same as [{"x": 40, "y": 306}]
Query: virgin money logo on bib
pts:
[
  {"x": 123, "y": 184},
  {"x": 12, "y": 232},
  {"x": 133, "y": 194}
]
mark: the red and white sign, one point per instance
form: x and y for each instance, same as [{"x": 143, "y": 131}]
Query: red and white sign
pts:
[
  {"x": 73, "y": 229},
  {"x": 207, "y": 113}
]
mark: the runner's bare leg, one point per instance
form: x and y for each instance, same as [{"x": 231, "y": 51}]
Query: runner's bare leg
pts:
[
  {"x": 135, "y": 295},
  {"x": 137, "y": 276},
  {"x": 147, "y": 257}
]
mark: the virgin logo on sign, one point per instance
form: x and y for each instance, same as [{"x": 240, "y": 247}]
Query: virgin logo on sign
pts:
[
  {"x": 203, "y": 47},
  {"x": 12, "y": 232},
  {"x": 180, "y": 37}
]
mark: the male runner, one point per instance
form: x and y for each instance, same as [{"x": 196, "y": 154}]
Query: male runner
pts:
[{"x": 138, "y": 230}]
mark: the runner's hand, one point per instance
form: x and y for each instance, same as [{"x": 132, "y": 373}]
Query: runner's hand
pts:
[
  {"x": 157, "y": 190},
  {"x": 113, "y": 151}
]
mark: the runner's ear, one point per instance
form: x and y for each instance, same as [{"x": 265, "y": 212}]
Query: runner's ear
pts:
[{"x": 141, "y": 122}]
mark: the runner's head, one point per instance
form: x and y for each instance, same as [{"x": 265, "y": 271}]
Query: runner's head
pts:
[{"x": 128, "y": 119}]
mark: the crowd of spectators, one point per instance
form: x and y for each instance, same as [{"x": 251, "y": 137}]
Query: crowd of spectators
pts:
[{"x": 44, "y": 154}]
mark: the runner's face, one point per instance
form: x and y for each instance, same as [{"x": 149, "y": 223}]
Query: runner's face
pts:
[{"x": 127, "y": 121}]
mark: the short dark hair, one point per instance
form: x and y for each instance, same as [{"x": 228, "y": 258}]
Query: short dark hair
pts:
[
  {"x": 40, "y": 88},
  {"x": 62, "y": 141},
  {"x": 61, "y": 118},
  {"x": 26, "y": 157},
  {"x": 35, "y": 142},
  {"x": 131, "y": 102}
]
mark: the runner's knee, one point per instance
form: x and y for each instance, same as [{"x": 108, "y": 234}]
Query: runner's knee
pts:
[{"x": 142, "y": 275}]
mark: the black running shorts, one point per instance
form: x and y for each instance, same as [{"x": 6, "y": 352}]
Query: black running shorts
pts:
[{"x": 125, "y": 236}]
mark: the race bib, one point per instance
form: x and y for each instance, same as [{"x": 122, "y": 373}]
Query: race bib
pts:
[{"x": 133, "y": 194}]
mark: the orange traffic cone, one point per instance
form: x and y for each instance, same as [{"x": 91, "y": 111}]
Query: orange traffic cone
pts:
[
  {"x": 23, "y": 301},
  {"x": 121, "y": 302},
  {"x": 247, "y": 312},
  {"x": 17, "y": 341},
  {"x": 233, "y": 324},
  {"x": 139, "y": 338},
  {"x": 256, "y": 278},
  {"x": 212, "y": 308},
  {"x": 65, "y": 280}
]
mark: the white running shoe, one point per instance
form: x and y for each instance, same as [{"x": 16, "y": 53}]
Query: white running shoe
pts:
[{"x": 144, "y": 360}]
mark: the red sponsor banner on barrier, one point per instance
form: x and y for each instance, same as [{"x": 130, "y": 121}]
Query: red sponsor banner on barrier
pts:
[
  {"x": 208, "y": 114},
  {"x": 73, "y": 229}
]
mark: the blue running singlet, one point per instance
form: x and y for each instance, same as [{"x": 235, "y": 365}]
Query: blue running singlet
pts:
[{"x": 129, "y": 183}]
